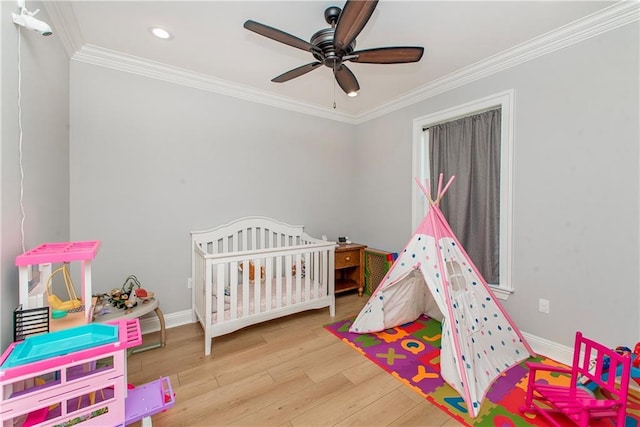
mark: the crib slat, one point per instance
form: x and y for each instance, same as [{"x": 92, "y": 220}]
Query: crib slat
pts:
[
  {"x": 289, "y": 281},
  {"x": 317, "y": 285},
  {"x": 268, "y": 272},
  {"x": 233, "y": 290},
  {"x": 257, "y": 285},
  {"x": 298, "y": 278},
  {"x": 254, "y": 240},
  {"x": 245, "y": 288},
  {"x": 307, "y": 284},
  {"x": 279, "y": 261},
  {"x": 225, "y": 244},
  {"x": 219, "y": 292}
]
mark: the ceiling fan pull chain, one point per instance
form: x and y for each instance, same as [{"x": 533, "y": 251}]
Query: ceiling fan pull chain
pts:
[{"x": 334, "y": 87}]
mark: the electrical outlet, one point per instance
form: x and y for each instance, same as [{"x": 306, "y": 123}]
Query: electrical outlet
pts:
[
  {"x": 189, "y": 283},
  {"x": 543, "y": 306}
]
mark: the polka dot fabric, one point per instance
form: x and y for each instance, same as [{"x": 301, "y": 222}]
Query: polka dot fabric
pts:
[{"x": 479, "y": 340}]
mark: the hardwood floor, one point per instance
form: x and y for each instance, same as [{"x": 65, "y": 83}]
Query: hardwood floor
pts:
[{"x": 287, "y": 372}]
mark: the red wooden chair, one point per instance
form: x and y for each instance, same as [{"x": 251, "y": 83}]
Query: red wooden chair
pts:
[{"x": 575, "y": 401}]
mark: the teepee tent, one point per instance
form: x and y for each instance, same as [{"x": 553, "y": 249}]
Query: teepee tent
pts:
[{"x": 434, "y": 275}]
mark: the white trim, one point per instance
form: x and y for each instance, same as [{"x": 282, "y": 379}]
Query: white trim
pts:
[
  {"x": 135, "y": 65},
  {"x": 65, "y": 25},
  {"x": 505, "y": 100},
  {"x": 558, "y": 352},
  {"x": 150, "y": 323},
  {"x": 501, "y": 293},
  {"x": 610, "y": 18}
]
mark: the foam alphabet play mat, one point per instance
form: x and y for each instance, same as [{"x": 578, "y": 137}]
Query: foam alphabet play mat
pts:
[{"x": 411, "y": 353}]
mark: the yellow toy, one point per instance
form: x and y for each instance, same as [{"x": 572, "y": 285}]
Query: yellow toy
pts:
[{"x": 56, "y": 303}]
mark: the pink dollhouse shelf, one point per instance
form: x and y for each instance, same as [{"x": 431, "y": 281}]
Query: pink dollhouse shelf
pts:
[
  {"x": 59, "y": 252},
  {"x": 45, "y": 346}
]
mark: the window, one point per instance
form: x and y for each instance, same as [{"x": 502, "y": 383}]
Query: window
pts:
[
  {"x": 503, "y": 101},
  {"x": 455, "y": 275}
]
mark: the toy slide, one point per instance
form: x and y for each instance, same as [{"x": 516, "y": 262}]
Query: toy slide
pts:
[{"x": 148, "y": 399}]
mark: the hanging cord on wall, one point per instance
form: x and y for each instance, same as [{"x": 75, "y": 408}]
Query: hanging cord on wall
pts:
[{"x": 22, "y": 211}]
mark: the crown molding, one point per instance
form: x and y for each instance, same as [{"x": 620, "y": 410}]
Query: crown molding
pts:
[
  {"x": 143, "y": 67},
  {"x": 608, "y": 19},
  {"x": 615, "y": 16},
  {"x": 65, "y": 26}
]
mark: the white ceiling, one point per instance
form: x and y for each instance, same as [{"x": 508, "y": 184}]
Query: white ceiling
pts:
[{"x": 209, "y": 43}]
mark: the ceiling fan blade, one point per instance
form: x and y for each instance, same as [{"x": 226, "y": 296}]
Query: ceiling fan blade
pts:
[
  {"x": 346, "y": 79},
  {"x": 296, "y": 72},
  {"x": 277, "y": 35},
  {"x": 388, "y": 55},
  {"x": 353, "y": 18}
]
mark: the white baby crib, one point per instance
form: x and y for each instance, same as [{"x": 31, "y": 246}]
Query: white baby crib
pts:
[{"x": 256, "y": 269}]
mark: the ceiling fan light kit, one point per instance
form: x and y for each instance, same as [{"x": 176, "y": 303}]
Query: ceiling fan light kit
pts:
[{"x": 334, "y": 46}]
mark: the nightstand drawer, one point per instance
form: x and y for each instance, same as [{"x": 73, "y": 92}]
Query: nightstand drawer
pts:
[{"x": 348, "y": 259}]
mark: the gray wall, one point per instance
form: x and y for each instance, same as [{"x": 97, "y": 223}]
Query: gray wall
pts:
[
  {"x": 576, "y": 191},
  {"x": 45, "y": 121},
  {"x": 152, "y": 161}
]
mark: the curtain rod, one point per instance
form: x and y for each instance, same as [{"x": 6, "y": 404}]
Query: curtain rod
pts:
[{"x": 453, "y": 119}]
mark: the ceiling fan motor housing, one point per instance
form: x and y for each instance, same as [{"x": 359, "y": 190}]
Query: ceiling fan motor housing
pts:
[{"x": 327, "y": 53}]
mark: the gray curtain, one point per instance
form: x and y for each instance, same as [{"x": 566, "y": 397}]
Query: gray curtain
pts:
[{"x": 469, "y": 148}]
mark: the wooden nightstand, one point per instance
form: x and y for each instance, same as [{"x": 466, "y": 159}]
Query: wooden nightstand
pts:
[{"x": 349, "y": 267}]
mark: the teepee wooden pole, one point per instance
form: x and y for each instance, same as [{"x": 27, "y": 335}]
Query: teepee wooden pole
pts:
[
  {"x": 424, "y": 189},
  {"x": 442, "y": 191},
  {"x": 446, "y": 187}
]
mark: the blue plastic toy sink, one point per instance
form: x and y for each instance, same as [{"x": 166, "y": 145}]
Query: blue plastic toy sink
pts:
[{"x": 40, "y": 347}]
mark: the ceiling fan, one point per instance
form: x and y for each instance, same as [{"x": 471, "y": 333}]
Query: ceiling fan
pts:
[{"x": 334, "y": 46}]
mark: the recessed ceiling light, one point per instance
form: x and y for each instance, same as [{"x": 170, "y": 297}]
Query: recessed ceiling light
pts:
[
  {"x": 352, "y": 94},
  {"x": 160, "y": 33}
]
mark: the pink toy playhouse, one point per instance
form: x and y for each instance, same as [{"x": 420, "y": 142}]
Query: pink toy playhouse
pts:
[{"x": 77, "y": 375}]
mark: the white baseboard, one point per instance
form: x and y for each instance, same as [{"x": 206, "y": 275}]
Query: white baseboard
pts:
[
  {"x": 150, "y": 322},
  {"x": 550, "y": 349}
]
